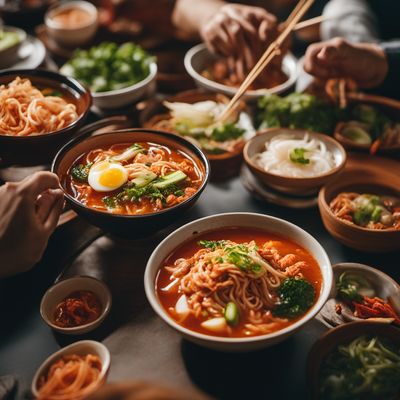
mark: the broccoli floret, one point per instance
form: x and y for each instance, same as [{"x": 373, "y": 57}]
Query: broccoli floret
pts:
[{"x": 296, "y": 296}]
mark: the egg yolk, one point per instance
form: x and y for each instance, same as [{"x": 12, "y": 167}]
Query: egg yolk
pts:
[{"x": 111, "y": 177}]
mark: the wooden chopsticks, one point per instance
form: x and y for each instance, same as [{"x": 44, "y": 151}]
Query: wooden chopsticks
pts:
[
  {"x": 273, "y": 49},
  {"x": 309, "y": 22}
]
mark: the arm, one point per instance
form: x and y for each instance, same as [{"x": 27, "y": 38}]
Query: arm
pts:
[
  {"x": 350, "y": 19},
  {"x": 190, "y": 15}
]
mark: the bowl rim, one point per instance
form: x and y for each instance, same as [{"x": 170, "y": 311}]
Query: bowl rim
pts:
[
  {"x": 270, "y": 132},
  {"x": 132, "y": 88},
  {"x": 224, "y": 88},
  {"x": 105, "y": 311},
  {"x": 22, "y": 35},
  {"x": 71, "y": 83},
  {"x": 59, "y": 353},
  {"x": 149, "y": 286},
  {"x": 209, "y": 95},
  {"x": 323, "y": 204},
  {"x": 196, "y": 150},
  {"x": 57, "y": 7}
]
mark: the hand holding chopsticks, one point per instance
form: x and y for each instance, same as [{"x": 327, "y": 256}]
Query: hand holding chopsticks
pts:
[{"x": 272, "y": 50}]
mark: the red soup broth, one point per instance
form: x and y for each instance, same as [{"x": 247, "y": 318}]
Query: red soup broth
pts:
[
  {"x": 239, "y": 235},
  {"x": 93, "y": 199}
]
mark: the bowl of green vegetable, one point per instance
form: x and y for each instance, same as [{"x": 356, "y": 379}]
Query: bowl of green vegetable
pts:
[
  {"x": 11, "y": 39},
  {"x": 357, "y": 361},
  {"x": 117, "y": 75}
]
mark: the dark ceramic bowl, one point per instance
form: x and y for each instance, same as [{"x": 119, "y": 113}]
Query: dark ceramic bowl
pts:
[
  {"x": 41, "y": 149},
  {"x": 341, "y": 335},
  {"x": 25, "y": 14},
  {"x": 128, "y": 226},
  {"x": 223, "y": 166}
]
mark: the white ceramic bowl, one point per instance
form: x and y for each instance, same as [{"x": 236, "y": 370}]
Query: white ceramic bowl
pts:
[
  {"x": 59, "y": 291},
  {"x": 80, "y": 348},
  {"x": 72, "y": 37},
  {"x": 198, "y": 58},
  {"x": 245, "y": 220},
  {"x": 129, "y": 95},
  {"x": 9, "y": 56}
]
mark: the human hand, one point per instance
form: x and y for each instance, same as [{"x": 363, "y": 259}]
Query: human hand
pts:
[
  {"x": 365, "y": 63},
  {"x": 241, "y": 33},
  {"x": 29, "y": 212}
]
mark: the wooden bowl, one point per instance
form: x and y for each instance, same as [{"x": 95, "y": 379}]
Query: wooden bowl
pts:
[
  {"x": 40, "y": 149},
  {"x": 340, "y": 335},
  {"x": 365, "y": 174},
  {"x": 290, "y": 185},
  {"x": 223, "y": 165},
  {"x": 128, "y": 226},
  {"x": 391, "y": 107}
]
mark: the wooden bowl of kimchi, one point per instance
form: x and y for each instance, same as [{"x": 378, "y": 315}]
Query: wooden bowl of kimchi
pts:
[
  {"x": 226, "y": 158},
  {"x": 361, "y": 209},
  {"x": 133, "y": 182}
]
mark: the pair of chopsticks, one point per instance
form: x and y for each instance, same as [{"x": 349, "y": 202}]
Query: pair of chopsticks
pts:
[{"x": 273, "y": 49}]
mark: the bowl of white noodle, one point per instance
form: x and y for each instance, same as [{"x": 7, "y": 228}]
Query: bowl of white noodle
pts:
[{"x": 294, "y": 161}]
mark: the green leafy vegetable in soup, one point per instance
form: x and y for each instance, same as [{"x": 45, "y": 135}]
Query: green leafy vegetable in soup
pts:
[
  {"x": 81, "y": 172},
  {"x": 109, "y": 66}
]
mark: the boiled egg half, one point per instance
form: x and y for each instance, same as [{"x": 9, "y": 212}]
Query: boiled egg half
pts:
[{"x": 106, "y": 176}]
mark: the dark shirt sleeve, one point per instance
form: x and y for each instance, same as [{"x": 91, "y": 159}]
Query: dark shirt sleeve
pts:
[{"x": 391, "y": 85}]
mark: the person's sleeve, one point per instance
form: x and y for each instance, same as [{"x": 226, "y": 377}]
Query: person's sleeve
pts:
[
  {"x": 349, "y": 19},
  {"x": 391, "y": 85}
]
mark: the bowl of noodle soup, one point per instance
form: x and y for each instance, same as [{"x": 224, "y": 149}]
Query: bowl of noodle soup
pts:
[
  {"x": 75, "y": 371},
  {"x": 216, "y": 280},
  {"x": 133, "y": 182},
  {"x": 39, "y": 112},
  {"x": 294, "y": 161}
]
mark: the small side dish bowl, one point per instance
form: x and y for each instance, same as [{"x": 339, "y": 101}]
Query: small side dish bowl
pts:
[
  {"x": 266, "y": 223},
  {"x": 130, "y": 226},
  {"x": 40, "y": 149},
  {"x": 224, "y": 165},
  {"x": 341, "y": 335},
  {"x": 80, "y": 348},
  {"x": 198, "y": 58},
  {"x": 123, "y": 97},
  {"x": 292, "y": 185},
  {"x": 59, "y": 291},
  {"x": 389, "y": 106},
  {"x": 73, "y": 35},
  {"x": 9, "y": 52},
  {"x": 365, "y": 178},
  {"x": 385, "y": 288}
]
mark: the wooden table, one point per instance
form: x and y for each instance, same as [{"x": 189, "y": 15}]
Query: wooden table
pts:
[{"x": 141, "y": 345}]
